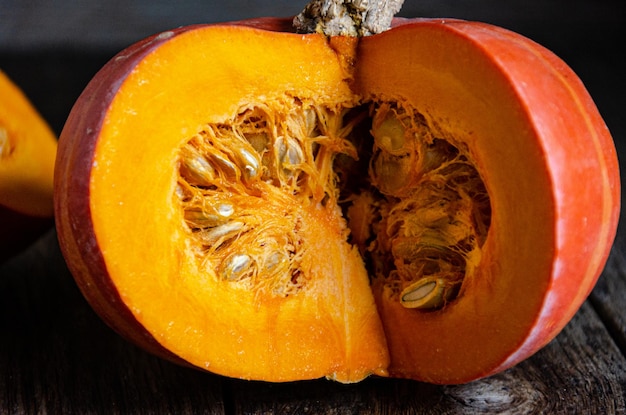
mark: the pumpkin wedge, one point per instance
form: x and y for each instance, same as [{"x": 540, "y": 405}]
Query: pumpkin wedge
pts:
[
  {"x": 278, "y": 206},
  {"x": 526, "y": 123},
  {"x": 27, "y": 154}
]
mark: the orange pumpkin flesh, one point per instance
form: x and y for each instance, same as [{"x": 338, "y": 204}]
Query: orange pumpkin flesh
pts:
[
  {"x": 27, "y": 153},
  {"x": 216, "y": 201}
]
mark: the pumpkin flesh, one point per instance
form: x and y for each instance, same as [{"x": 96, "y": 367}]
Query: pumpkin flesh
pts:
[
  {"x": 257, "y": 218},
  {"x": 27, "y": 153}
]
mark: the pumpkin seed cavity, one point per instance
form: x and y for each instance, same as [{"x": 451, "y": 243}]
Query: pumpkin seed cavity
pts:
[
  {"x": 244, "y": 184},
  {"x": 415, "y": 205},
  {"x": 423, "y": 216}
]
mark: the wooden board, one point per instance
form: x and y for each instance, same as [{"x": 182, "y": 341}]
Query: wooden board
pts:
[{"x": 56, "y": 356}]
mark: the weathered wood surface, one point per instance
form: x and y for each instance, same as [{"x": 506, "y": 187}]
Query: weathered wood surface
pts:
[
  {"x": 609, "y": 295},
  {"x": 57, "y": 357}
]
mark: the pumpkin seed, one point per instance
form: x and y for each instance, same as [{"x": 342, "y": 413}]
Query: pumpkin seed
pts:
[
  {"x": 180, "y": 192},
  {"x": 196, "y": 168},
  {"x": 249, "y": 163},
  {"x": 219, "y": 234},
  {"x": 426, "y": 293},
  {"x": 290, "y": 153},
  {"x": 225, "y": 166},
  {"x": 275, "y": 259},
  {"x": 198, "y": 217},
  {"x": 225, "y": 209},
  {"x": 237, "y": 267},
  {"x": 391, "y": 174},
  {"x": 389, "y": 135}
]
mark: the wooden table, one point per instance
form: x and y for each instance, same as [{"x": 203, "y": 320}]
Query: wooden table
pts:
[{"x": 57, "y": 357}]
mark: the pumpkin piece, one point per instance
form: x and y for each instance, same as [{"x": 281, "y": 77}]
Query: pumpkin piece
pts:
[
  {"x": 523, "y": 120},
  {"x": 327, "y": 213},
  {"x": 240, "y": 264},
  {"x": 27, "y": 154}
]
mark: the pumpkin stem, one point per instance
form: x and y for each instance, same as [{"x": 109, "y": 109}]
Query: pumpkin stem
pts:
[{"x": 354, "y": 18}]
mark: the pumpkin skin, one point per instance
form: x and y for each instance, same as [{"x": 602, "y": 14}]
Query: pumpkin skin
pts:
[
  {"x": 27, "y": 154},
  {"x": 520, "y": 114}
]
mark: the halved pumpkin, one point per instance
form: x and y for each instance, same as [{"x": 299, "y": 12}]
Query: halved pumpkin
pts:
[
  {"x": 277, "y": 206},
  {"x": 27, "y": 154}
]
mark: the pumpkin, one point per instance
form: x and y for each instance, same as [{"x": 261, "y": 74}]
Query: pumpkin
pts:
[
  {"x": 27, "y": 154},
  {"x": 432, "y": 202}
]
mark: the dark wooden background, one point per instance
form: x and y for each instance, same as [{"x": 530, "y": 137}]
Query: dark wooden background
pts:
[{"x": 56, "y": 357}]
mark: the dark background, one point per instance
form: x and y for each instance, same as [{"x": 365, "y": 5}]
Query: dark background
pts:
[{"x": 76, "y": 35}]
